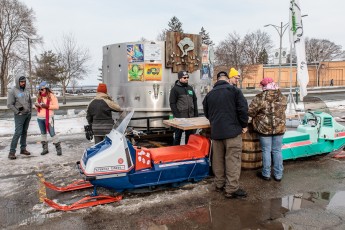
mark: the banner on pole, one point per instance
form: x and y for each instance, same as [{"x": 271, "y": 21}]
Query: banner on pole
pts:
[{"x": 297, "y": 40}]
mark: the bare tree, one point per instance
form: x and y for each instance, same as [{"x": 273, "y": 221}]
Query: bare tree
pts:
[
  {"x": 16, "y": 26},
  {"x": 318, "y": 50},
  {"x": 72, "y": 60},
  {"x": 231, "y": 51},
  {"x": 74, "y": 83},
  {"x": 161, "y": 36},
  {"x": 142, "y": 39},
  {"x": 255, "y": 43},
  {"x": 242, "y": 53}
]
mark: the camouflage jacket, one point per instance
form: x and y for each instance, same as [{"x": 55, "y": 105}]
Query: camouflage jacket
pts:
[{"x": 268, "y": 112}]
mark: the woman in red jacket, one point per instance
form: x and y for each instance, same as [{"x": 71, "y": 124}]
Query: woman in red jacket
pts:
[{"x": 46, "y": 103}]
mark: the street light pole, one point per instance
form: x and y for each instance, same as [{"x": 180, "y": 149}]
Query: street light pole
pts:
[
  {"x": 281, "y": 30},
  {"x": 280, "y": 51},
  {"x": 30, "y": 76}
]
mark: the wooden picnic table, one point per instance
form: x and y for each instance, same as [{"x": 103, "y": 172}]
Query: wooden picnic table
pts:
[{"x": 188, "y": 123}]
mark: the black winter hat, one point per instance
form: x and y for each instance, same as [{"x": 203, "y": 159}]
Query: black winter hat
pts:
[{"x": 181, "y": 74}]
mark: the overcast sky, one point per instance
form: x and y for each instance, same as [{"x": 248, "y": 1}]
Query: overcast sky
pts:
[{"x": 96, "y": 23}]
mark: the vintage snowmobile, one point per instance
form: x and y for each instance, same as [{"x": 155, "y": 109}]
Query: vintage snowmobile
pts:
[
  {"x": 118, "y": 165},
  {"x": 319, "y": 133}
]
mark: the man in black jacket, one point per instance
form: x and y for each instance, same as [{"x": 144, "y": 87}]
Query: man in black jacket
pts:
[
  {"x": 183, "y": 104},
  {"x": 227, "y": 110}
]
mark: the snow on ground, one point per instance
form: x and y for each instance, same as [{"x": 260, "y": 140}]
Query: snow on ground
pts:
[{"x": 64, "y": 124}]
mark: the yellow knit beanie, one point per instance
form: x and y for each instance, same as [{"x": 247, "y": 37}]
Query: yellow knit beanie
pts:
[{"x": 233, "y": 73}]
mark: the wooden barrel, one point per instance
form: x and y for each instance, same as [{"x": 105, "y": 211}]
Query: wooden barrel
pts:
[{"x": 251, "y": 149}]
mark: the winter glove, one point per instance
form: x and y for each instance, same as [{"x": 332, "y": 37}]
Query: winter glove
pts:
[
  {"x": 44, "y": 106},
  {"x": 88, "y": 132}
]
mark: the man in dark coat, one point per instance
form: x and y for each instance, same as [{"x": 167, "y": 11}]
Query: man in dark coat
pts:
[
  {"x": 98, "y": 113},
  {"x": 183, "y": 104},
  {"x": 227, "y": 110}
]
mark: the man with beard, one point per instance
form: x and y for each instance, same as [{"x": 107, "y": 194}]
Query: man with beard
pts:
[{"x": 19, "y": 101}]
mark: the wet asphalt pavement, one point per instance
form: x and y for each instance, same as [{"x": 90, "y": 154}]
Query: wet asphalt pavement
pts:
[{"x": 310, "y": 196}]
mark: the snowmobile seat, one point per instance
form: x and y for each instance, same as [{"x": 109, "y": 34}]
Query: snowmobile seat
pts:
[
  {"x": 295, "y": 136},
  {"x": 196, "y": 148}
]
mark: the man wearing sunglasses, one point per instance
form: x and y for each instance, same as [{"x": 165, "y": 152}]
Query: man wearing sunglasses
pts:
[
  {"x": 183, "y": 104},
  {"x": 19, "y": 101}
]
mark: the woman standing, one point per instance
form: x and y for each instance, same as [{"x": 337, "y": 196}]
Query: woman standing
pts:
[
  {"x": 46, "y": 103},
  {"x": 268, "y": 112},
  {"x": 99, "y": 113}
]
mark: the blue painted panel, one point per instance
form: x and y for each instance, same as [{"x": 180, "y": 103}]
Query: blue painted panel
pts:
[{"x": 92, "y": 151}]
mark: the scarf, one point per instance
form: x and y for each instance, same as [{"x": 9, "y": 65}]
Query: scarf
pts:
[
  {"x": 270, "y": 86},
  {"x": 47, "y": 110}
]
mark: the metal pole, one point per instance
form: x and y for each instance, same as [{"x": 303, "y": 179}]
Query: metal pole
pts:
[
  {"x": 290, "y": 94},
  {"x": 30, "y": 78},
  {"x": 280, "y": 51},
  {"x": 317, "y": 75}
]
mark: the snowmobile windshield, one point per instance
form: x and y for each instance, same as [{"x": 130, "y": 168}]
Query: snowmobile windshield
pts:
[{"x": 123, "y": 121}]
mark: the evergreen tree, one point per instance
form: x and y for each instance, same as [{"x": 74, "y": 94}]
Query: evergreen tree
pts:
[
  {"x": 263, "y": 57},
  {"x": 175, "y": 25},
  {"x": 100, "y": 75},
  {"x": 47, "y": 68},
  {"x": 205, "y": 37}
]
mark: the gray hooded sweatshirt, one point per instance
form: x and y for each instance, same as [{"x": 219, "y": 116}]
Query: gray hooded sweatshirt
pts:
[{"x": 19, "y": 100}]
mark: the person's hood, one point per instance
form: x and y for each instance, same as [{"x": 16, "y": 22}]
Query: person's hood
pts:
[{"x": 16, "y": 81}]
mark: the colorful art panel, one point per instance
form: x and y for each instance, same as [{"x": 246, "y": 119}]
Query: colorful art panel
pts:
[
  {"x": 205, "y": 72},
  {"x": 204, "y": 54},
  {"x": 153, "y": 72},
  {"x": 135, "y": 72},
  {"x": 135, "y": 53}
]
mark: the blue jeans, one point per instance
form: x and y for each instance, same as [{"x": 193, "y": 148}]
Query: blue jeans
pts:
[
  {"x": 21, "y": 130},
  {"x": 272, "y": 146},
  {"x": 42, "y": 126}
]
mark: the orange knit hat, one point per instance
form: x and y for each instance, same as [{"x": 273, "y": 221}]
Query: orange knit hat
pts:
[{"x": 102, "y": 88}]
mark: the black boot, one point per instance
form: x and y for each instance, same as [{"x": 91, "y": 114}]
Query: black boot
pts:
[
  {"x": 58, "y": 148},
  {"x": 44, "y": 147},
  {"x": 12, "y": 156}
]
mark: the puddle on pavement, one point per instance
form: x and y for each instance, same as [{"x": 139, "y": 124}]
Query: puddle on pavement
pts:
[
  {"x": 241, "y": 214},
  {"x": 197, "y": 214}
]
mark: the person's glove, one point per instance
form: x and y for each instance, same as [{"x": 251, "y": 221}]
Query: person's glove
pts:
[
  {"x": 88, "y": 132},
  {"x": 44, "y": 106}
]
